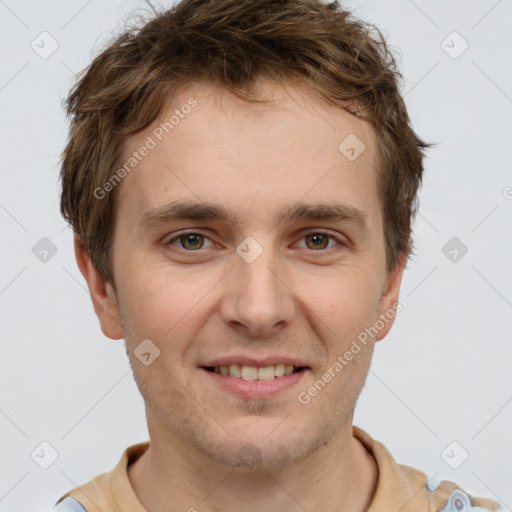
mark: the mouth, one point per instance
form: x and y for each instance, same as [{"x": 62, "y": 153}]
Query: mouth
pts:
[
  {"x": 254, "y": 381},
  {"x": 251, "y": 373}
]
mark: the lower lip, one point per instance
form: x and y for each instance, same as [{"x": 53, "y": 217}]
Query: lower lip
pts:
[{"x": 256, "y": 389}]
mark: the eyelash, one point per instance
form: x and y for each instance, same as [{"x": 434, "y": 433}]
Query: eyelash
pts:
[{"x": 309, "y": 232}]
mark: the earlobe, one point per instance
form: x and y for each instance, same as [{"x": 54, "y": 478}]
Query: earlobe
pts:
[
  {"x": 389, "y": 305},
  {"x": 102, "y": 294}
]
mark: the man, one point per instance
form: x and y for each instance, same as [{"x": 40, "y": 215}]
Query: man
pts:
[{"x": 241, "y": 177}]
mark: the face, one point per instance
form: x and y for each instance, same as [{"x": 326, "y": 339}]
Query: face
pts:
[{"x": 247, "y": 242}]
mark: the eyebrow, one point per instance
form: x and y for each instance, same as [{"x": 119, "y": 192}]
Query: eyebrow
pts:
[{"x": 203, "y": 210}]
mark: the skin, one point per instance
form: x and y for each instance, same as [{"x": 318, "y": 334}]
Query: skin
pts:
[{"x": 295, "y": 298}]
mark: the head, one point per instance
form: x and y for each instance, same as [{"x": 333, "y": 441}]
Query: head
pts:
[{"x": 254, "y": 112}]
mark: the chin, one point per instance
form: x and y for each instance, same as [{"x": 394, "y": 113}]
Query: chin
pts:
[
  {"x": 262, "y": 454},
  {"x": 260, "y": 443},
  {"x": 254, "y": 434}
]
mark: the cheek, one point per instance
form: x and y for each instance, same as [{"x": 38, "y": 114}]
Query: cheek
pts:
[
  {"x": 346, "y": 303},
  {"x": 165, "y": 308},
  {"x": 149, "y": 305},
  {"x": 348, "y": 306}
]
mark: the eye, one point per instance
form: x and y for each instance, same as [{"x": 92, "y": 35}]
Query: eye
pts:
[
  {"x": 189, "y": 240},
  {"x": 317, "y": 241},
  {"x": 320, "y": 240}
]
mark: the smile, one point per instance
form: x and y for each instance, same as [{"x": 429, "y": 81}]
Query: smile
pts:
[{"x": 247, "y": 372}]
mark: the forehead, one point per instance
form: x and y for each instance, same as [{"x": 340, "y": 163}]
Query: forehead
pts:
[{"x": 210, "y": 145}]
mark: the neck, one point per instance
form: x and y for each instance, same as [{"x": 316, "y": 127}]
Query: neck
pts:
[{"x": 341, "y": 475}]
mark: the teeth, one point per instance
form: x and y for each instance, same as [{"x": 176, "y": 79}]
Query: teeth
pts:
[
  {"x": 279, "y": 370},
  {"x": 253, "y": 373},
  {"x": 265, "y": 373},
  {"x": 249, "y": 373},
  {"x": 234, "y": 371}
]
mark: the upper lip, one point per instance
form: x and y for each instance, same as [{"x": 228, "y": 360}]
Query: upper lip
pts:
[{"x": 258, "y": 362}]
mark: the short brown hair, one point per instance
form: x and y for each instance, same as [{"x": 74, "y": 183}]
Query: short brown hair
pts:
[{"x": 234, "y": 43}]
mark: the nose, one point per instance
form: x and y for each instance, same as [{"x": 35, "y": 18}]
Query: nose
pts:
[{"x": 257, "y": 298}]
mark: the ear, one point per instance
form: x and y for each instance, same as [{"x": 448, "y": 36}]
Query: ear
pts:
[
  {"x": 389, "y": 305},
  {"x": 102, "y": 293}
]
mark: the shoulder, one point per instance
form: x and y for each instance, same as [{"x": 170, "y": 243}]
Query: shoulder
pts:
[
  {"x": 410, "y": 490},
  {"x": 107, "y": 492},
  {"x": 69, "y": 505},
  {"x": 449, "y": 497},
  {"x": 439, "y": 495},
  {"x": 93, "y": 496}
]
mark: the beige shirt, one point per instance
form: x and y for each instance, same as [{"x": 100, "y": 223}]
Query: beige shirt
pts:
[{"x": 399, "y": 487}]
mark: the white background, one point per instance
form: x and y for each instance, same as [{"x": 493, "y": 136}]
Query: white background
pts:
[{"x": 442, "y": 375}]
